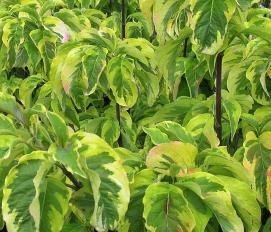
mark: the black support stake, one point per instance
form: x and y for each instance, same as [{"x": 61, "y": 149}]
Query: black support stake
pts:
[
  {"x": 111, "y": 5},
  {"x": 266, "y": 5},
  {"x": 123, "y": 32},
  {"x": 123, "y": 19},
  {"x": 218, "y": 123}
]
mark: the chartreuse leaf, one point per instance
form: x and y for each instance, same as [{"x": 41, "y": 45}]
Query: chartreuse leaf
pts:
[
  {"x": 214, "y": 194},
  {"x": 172, "y": 158},
  {"x": 217, "y": 162},
  {"x": 32, "y": 202},
  {"x": 146, "y": 9},
  {"x": 166, "y": 209},
  {"x": 201, "y": 128},
  {"x": 134, "y": 220},
  {"x": 120, "y": 72},
  {"x": 233, "y": 111},
  {"x": 156, "y": 135},
  {"x": 8, "y": 104},
  {"x": 108, "y": 180},
  {"x": 245, "y": 202},
  {"x": 175, "y": 131},
  {"x": 175, "y": 111},
  {"x": 210, "y": 22}
]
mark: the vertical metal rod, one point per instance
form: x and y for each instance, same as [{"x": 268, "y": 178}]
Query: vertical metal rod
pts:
[
  {"x": 123, "y": 19},
  {"x": 123, "y": 32},
  {"x": 266, "y": 5},
  {"x": 218, "y": 123},
  {"x": 111, "y": 5}
]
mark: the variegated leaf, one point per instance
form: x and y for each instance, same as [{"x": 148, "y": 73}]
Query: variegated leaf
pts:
[
  {"x": 120, "y": 72},
  {"x": 214, "y": 194},
  {"x": 134, "y": 220},
  {"x": 210, "y": 23},
  {"x": 29, "y": 197},
  {"x": 108, "y": 180},
  {"x": 257, "y": 160},
  {"x": 256, "y": 74},
  {"x": 245, "y": 202},
  {"x": 202, "y": 129},
  {"x": 174, "y": 158},
  {"x": 166, "y": 209}
]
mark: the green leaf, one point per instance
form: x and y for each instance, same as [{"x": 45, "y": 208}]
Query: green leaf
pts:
[
  {"x": 267, "y": 226},
  {"x": 167, "y": 54},
  {"x": 172, "y": 158},
  {"x": 210, "y": 23},
  {"x": 121, "y": 81},
  {"x": 150, "y": 85},
  {"x": 200, "y": 210},
  {"x": 74, "y": 228},
  {"x": 174, "y": 111},
  {"x": 110, "y": 131},
  {"x": 59, "y": 127},
  {"x": 233, "y": 111},
  {"x": 166, "y": 209},
  {"x": 82, "y": 203},
  {"x": 194, "y": 73},
  {"x": 134, "y": 220},
  {"x": 214, "y": 194},
  {"x": 26, "y": 89},
  {"x": 245, "y": 202}
]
